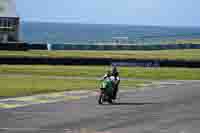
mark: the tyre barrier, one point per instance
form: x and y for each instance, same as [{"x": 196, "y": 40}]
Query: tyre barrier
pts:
[{"x": 99, "y": 61}]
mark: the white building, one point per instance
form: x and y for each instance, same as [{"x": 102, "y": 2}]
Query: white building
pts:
[
  {"x": 9, "y": 21},
  {"x": 120, "y": 40}
]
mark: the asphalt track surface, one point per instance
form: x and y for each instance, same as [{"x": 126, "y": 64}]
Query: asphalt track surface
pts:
[{"x": 169, "y": 108}]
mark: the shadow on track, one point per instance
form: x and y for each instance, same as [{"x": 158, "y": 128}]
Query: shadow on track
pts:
[{"x": 129, "y": 103}]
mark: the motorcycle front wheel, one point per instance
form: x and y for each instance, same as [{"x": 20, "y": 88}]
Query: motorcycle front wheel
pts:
[{"x": 100, "y": 100}]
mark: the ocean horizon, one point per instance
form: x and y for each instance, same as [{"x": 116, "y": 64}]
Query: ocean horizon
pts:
[{"x": 63, "y": 33}]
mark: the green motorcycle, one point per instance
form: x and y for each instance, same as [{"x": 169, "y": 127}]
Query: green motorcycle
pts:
[{"x": 106, "y": 92}]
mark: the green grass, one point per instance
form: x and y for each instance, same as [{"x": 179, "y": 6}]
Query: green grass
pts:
[
  {"x": 192, "y": 54},
  {"x": 41, "y": 78},
  {"x": 98, "y": 71},
  {"x": 190, "y": 41},
  {"x": 20, "y": 86}
]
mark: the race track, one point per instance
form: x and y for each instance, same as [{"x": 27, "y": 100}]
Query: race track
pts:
[{"x": 172, "y": 107}]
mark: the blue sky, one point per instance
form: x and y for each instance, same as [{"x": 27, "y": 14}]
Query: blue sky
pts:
[{"x": 134, "y": 12}]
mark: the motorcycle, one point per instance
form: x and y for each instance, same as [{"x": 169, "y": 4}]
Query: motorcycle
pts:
[{"x": 106, "y": 92}]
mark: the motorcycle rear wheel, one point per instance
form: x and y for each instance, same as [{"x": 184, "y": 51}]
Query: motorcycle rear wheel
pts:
[{"x": 110, "y": 101}]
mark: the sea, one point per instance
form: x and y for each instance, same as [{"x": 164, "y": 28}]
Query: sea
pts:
[{"x": 74, "y": 33}]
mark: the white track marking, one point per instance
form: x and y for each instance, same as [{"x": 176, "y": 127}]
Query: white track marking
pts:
[
  {"x": 18, "y": 102},
  {"x": 29, "y": 129}
]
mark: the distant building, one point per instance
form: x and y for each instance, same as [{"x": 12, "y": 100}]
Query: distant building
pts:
[
  {"x": 120, "y": 40},
  {"x": 9, "y": 21}
]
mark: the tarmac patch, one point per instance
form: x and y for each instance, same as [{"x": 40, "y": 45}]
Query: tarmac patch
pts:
[{"x": 11, "y": 103}]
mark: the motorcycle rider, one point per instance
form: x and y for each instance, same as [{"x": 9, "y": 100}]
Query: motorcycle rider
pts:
[
  {"x": 113, "y": 75},
  {"x": 113, "y": 72},
  {"x": 116, "y": 81}
]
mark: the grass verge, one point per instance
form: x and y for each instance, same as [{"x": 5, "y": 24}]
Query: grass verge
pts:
[
  {"x": 20, "y": 86},
  {"x": 189, "y": 41},
  {"x": 43, "y": 79},
  {"x": 191, "y": 54},
  {"x": 98, "y": 71}
]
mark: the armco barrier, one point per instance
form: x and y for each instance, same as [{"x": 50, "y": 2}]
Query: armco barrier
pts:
[
  {"x": 14, "y": 46},
  {"x": 45, "y": 46},
  {"x": 101, "y": 61},
  {"x": 37, "y": 46},
  {"x": 123, "y": 47}
]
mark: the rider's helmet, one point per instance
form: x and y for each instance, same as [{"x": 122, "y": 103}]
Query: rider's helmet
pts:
[{"x": 109, "y": 73}]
